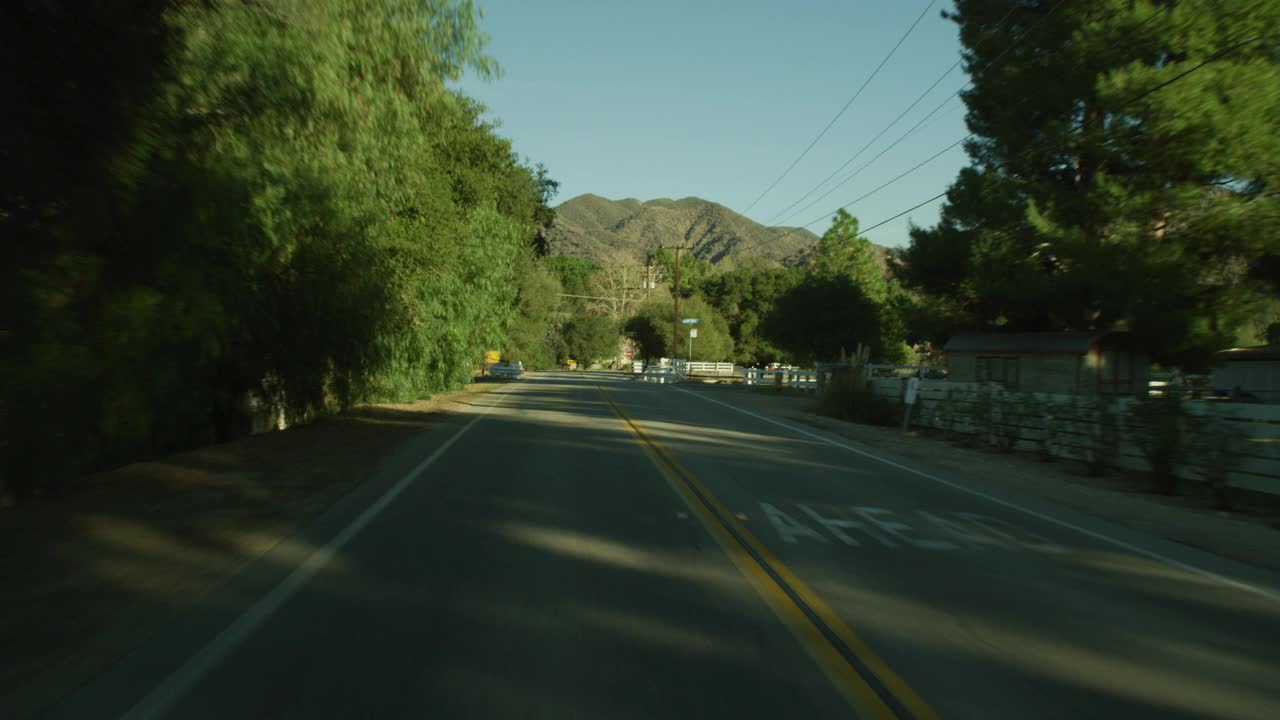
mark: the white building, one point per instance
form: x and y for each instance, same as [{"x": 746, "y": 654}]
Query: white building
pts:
[{"x": 1249, "y": 371}]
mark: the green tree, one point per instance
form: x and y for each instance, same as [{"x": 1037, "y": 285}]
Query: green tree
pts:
[
  {"x": 652, "y": 329},
  {"x": 746, "y": 298},
  {"x": 843, "y": 260},
  {"x": 693, "y": 270},
  {"x": 590, "y": 338},
  {"x": 211, "y": 199},
  {"x": 841, "y": 252},
  {"x": 532, "y": 335},
  {"x": 823, "y": 315},
  {"x": 1116, "y": 181},
  {"x": 575, "y": 275},
  {"x": 714, "y": 342}
]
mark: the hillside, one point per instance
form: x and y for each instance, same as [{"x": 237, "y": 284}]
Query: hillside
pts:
[{"x": 625, "y": 230}]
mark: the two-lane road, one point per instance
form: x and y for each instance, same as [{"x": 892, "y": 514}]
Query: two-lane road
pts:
[{"x": 592, "y": 547}]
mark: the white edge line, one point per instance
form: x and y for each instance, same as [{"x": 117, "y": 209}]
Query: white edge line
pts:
[
  {"x": 170, "y": 690},
  {"x": 1270, "y": 595}
]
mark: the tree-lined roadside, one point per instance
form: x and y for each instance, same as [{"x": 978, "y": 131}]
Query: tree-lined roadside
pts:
[
  {"x": 207, "y": 201},
  {"x": 1122, "y": 176}
]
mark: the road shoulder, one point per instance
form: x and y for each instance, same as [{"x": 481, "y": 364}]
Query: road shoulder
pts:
[
  {"x": 95, "y": 576},
  {"x": 1247, "y": 539}
]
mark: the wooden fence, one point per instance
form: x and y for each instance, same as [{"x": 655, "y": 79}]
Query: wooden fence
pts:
[
  {"x": 801, "y": 379},
  {"x": 684, "y": 367},
  {"x": 1236, "y": 442}
]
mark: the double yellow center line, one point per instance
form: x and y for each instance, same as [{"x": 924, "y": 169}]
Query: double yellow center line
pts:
[{"x": 862, "y": 678}]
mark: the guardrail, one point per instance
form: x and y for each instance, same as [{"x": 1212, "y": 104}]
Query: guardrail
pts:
[
  {"x": 1075, "y": 427},
  {"x": 1192, "y": 387},
  {"x": 802, "y": 379},
  {"x": 660, "y": 375},
  {"x": 897, "y": 371},
  {"x": 684, "y": 367}
]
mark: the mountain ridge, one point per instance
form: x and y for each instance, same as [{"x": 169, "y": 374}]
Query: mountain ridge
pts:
[{"x": 626, "y": 230}]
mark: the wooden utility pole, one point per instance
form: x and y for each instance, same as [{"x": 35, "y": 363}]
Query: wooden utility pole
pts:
[{"x": 675, "y": 297}]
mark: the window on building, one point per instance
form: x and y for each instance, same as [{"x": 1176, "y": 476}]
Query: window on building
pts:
[
  {"x": 1003, "y": 370},
  {"x": 1115, "y": 377}
]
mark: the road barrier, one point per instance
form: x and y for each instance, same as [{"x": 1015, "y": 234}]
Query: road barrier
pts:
[
  {"x": 801, "y": 379},
  {"x": 722, "y": 369},
  {"x": 660, "y": 375},
  {"x": 1082, "y": 427},
  {"x": 899, "y": 371}
]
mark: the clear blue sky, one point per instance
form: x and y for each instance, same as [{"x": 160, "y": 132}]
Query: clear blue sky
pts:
[{"x": 714, "y": 98}]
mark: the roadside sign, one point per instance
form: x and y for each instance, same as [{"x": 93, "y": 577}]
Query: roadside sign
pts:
[
  {"x": 693, "y": 332},
  {"x": 913, "y": 387},
  {"x": 689, "y": 321},
  {"x": 491, "y": 357}
]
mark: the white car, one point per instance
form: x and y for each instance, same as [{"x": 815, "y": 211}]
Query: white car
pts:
[{"x": 507, "y": 370}]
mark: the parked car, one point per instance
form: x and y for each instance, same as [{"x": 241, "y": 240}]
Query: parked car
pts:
[{"x": 507, "y": 370}]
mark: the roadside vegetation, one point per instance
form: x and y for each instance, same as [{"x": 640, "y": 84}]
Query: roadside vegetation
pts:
[
  {"x": 211, "y": 205},
  {"x": 1123, "y": 175}
]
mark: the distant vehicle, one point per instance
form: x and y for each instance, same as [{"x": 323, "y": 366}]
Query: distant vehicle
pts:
[{"x": 507, "y": 370}]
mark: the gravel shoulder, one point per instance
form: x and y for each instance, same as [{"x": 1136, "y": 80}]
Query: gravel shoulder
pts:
[{"x": 1251, "y": 535}]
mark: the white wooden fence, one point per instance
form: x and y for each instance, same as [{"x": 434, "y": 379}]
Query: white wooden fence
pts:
[
  {"x": 898, "y": 371},
  {"x": 723, "y": 369},
  {"x": 1191, "y": 386},
  {"x": 802, "y": 379},
  {"x": 1083, "y": 427}
]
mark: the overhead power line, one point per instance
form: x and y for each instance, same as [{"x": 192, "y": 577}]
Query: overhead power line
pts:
[
  {"x": 951, "y": 97},
  {"x": 917, "y": 206},
  {"x": 863, "y": 149},
  {"x": 879, "y": 155},
  {"x": 1079, "y": 125},
  {"x": 838, "y": 115},
  {"x": 903, "y": 114},
  {"x": 929, "y": 115}
]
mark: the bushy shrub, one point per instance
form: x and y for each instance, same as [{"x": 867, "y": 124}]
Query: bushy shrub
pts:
[
  {"x": 1162, "y": 429},
  {"x": 848, "y": 396}
]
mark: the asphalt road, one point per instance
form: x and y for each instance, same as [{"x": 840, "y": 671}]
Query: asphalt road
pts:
[{"x": 593, "y": 547}]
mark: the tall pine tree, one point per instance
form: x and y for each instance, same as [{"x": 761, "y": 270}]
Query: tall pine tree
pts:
[{"x": 1125, "y": 160}]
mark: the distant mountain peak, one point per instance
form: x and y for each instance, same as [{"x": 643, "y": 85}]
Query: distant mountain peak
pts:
[{"x": 626, "y": 230}]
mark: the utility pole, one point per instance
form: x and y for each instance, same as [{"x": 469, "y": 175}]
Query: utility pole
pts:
[{"x": 675, "y": 297}]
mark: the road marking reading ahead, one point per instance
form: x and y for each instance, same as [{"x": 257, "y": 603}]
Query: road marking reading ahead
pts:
[
  {"x": 1222, "y": 579},
  {"x": 862, "y": 678},
  {"x": 958, "y": 530},
  {"x": 157, "y": 702}
]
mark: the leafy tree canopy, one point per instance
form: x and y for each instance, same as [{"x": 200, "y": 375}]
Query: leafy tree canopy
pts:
[
  {"x": 590, "y": 338},
  {"x": 1124, "y": 171}
]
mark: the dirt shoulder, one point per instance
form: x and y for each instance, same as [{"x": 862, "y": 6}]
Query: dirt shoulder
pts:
[
  {"x": 1251, "y": 535},
  {"x": 91, "y": 576}
]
